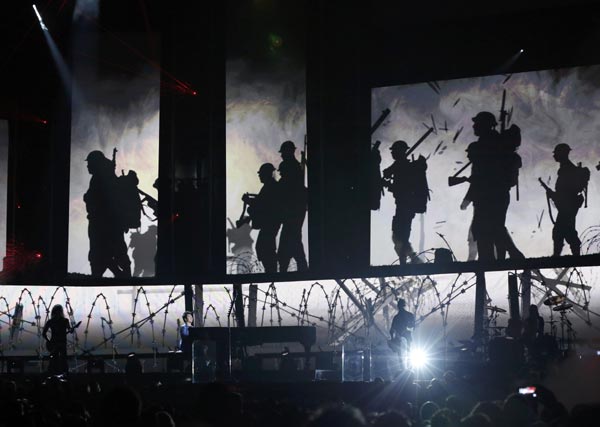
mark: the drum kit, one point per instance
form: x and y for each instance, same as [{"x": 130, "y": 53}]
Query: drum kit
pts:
[
  {"x": 557, "y": 304},
  {"x": 560, "y": 304}
]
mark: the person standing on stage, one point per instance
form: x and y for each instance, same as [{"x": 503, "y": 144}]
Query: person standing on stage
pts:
[
  {"x": 401, "y": 332},
  {"x": 59, "y": 327},
  {"x": 185, "y": 344}
]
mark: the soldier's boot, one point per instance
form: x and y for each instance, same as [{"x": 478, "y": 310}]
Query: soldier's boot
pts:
[
  {"x": 576, "y": 249},
  {"x": 558, "y": 247},
  {"x": 400, "y": 250}
]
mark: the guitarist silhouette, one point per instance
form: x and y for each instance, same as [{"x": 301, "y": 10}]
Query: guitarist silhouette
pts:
[
  {"x": 59, "y": 327},
  {"x": 401, "y": 332}
]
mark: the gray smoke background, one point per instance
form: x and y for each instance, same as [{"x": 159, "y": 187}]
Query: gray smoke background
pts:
[
  {"x": 264, "y": 108},
  {"x": 3, "y": 186},
  {"x": 550, "y": 107},
  {"x": 114, "y": 106}
]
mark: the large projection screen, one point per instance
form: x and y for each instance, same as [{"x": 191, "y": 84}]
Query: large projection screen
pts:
[
  {"x": 3, "y": 186},
  {"x": 116, "y": 90},
  {"x": 550, "y": 107},
  {"x": 266, "y": 131}
]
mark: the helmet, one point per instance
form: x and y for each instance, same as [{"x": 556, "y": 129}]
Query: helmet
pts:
[
  {"x": 287, "y": 145},
  {"x": 562, "y": 148},
  {"x": 485, "y": 117},
  {"x": 266, "y": 168},
  {"x": 399, "y": 146},
  {"x": 95, "y": 156}
]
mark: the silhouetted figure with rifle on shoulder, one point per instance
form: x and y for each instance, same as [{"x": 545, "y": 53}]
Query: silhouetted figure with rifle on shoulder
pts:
[
  {"x": 407, "y": 181},
  {"x": 568, "y": 197},
  {"x": 263, "y": 209},
  {"x": 495, "y": 167},
  {"x": 292, "y": 206},
  {"x": 105, "y": 225}
]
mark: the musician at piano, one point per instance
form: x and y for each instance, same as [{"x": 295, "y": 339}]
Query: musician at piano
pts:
[
  {"x": 185, "y": 344},
  {"x": 401, "y": 332}
]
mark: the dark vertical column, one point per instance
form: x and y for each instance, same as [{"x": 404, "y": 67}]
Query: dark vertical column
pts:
[
  {"x": 164, "y": 258},
  {"x": 338, "y": 103},
  {"x": 192, "y": 142},
  {"x": 513, "y": 296},
  {"x": 238, "y": 300},
  {"x": 525, "y": 293},
  {"x": 252, "y": 304},
  {"x": 480, "y": 293},
  {"x": 188, "y": 295},
  {"x": 199, "y": 305},
  {"x": 216, "y": 160}
]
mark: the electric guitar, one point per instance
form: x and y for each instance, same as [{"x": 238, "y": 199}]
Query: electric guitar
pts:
[{"x": 51, "y": 345}]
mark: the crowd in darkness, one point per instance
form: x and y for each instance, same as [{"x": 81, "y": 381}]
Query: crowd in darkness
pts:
[{"x": 448, "y": 401}]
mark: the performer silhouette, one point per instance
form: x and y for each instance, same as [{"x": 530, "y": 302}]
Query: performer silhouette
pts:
[
  {"x": 293, "y": 201},
  {"x": 107, "y": 239}
]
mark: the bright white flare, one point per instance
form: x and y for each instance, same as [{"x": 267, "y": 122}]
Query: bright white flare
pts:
[
  {"x": 418, "y": 358},
  {"x": 39, "y": 17}
]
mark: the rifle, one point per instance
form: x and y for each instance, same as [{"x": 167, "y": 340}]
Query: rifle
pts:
[
  {"x": 303, "y": 156},
  {"x": 416, "y": 144},
  {"x": 455, "y": 179},
  {"x": 503, "y": 112},
  {"x": 549, "y": 191},
  {"x": 244, "y": 219},
  {"x": 386, "y": 181},
  {"x": 380, "y": 120},
  {"x": 549, "y": 196},
  {"x": 151, "y": 201}
]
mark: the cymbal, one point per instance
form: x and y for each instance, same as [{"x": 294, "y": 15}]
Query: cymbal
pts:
[
  {"x": 554, "y": 300},
  {"x": 496, "y": 309},
  {"x": 563, "y": 307}
]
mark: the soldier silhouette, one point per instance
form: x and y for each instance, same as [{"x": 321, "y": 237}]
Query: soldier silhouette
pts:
[
  {"x": 401, "y": 178},
  {"x": 264, "y": 212},
  {"x": 144, "y": 252},
  {"x": 567, "y": 197},
  {"x": 493, "y": 162},
  {"x": 292, "y": 207},
  {"x": 105, "y": 230}
]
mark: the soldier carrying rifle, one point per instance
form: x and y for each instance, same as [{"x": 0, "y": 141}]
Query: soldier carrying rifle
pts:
[
  {"x": 568, "y": 196},
  {"x": 263, "y": 209},
  {"x": 407, "y": 181},
  {"x": 495, "y": 166}
]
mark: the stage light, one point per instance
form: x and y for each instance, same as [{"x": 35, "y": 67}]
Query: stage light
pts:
[
  {"x": 418, "y": 358},
  {"x": 39, "y": 17},
  {"x": 521, "y": 51}
]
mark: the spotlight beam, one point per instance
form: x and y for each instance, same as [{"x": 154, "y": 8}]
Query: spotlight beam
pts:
[{"x": 39, "y": 17}]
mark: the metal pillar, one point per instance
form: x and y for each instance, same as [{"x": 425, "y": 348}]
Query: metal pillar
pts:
[
  {"x": 480, "y": 293},
  {"x": 525, "y": 293},
  {"x": 238, "y": 300},
  {"x": 252, "y": 304},
  {"x": 513, "y": 296},
  {"x": 199, "y": 305}
]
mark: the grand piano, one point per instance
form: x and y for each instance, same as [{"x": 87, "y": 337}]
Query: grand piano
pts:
[
  {"x": 249, "y": 336},
  {"x": 211, "y": 346}
]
